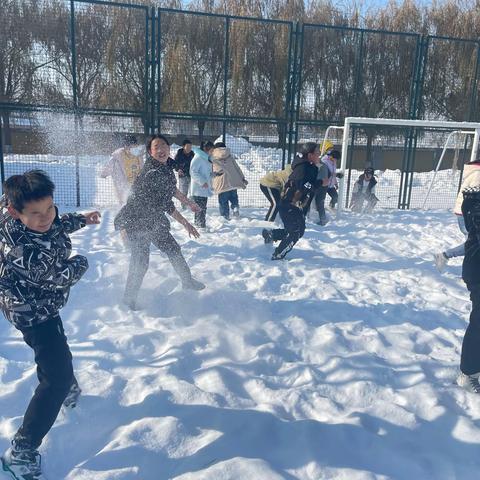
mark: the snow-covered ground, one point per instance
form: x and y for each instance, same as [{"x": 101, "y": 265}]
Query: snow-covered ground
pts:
[{"x": 338, "y": 363}]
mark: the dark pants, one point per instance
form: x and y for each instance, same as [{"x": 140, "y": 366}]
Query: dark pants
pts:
[
  {"x": 200, "y": 217},
  {"x": 140, "y": 257},
  {"x": 470, "y": 358},
  {"x": 320, "y": 203},
  {"x": 273, "y": 196},
  {"x": 333, "y": 196},
  {"x": 55, "y": 374},
  {"x": 294, "y": 223},
  {"x": 223, "y": 202}
]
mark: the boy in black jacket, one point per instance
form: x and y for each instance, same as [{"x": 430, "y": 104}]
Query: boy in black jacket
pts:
[
  {"x": 470, "y": 357},
  {"x": 181, "y": 165},
  {"x": 297, "y": 195},
  {"x": 36, "y": 273}
]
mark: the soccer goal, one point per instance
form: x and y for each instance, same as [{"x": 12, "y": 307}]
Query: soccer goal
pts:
[{"x": 430, "y": 138}]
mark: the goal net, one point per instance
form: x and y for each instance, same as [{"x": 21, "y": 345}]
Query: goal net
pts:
[{"x": 417, "y": 163}]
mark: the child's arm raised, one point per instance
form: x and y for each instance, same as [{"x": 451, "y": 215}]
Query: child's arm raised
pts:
[{"x": 72, "y": 222}]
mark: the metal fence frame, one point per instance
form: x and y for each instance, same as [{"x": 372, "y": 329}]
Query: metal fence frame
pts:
[{"x": 292, "y": 119}]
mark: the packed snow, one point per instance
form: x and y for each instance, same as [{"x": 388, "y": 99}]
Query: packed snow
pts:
[{"x": 338, "y": 363}]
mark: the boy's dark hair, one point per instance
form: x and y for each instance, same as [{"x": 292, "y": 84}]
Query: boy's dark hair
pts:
[
  {"x": 186, "y": 142},
  {"x": 129, "y": 140},
  {"x": 32, "y": 185},
  {"x": 335, "y": 154},
  {"x": 307, "y": 148},
  {"x": 153, "y": 137},
  {"x": 206, "y": 145},
  {"x": 219, "y": 145}
]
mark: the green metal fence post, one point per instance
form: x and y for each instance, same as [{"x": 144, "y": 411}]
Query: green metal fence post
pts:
[
  {"x": 2, "y": 165},
  {"x": 406, "y": 179},
  {"x": 286, "y": 141},
  {"x": 157, "y": 64},
  {"x": 75, "y": 99},
  {"x": 225, "y": 76},
  {"x": 74, "y": 53},
  {"x": 146, "y": 86},
  {"x": 298, "y": 61},
  {"x": 358, "y": 74}
]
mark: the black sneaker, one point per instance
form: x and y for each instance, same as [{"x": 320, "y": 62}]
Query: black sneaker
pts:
[
  {"x": 71, "y": 400},
  {"x": 193, "y": 284},
  {"x": 267, "y": 236}
]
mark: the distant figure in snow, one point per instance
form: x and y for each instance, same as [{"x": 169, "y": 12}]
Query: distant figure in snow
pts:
[
  {"x": 471, "y": 179},
  {"x": 145, "y": 221},
  {"x": 327, "y": 178},
  {"x": 299, "y": 190},
  {"x": 36, "y": 273},
  {"x": 124, "y": 167},
  {"x": 364, "y": 192},
  {"x": 272, "y": 185},
  {"x": 227, "y": 178},
  {"x": 181, "y": 164},
  {"x": 201, "y": 174},
  {"x": 470, "y": 356}
]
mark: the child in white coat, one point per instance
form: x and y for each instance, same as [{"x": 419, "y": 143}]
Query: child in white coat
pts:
[{"x": 201, "y": 181}]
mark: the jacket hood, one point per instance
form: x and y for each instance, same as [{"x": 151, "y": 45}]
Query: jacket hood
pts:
[{"x": 220, "y": 153}]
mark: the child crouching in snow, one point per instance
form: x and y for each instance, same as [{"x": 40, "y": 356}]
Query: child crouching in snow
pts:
[
  {"x": 470, "y": 357},
  {"x": 364, "y": 191},
  {"x": 36, "y": 273}
]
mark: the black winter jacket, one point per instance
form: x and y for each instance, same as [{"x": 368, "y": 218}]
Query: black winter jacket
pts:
[
  {"x": 36, "y": 270},
  {"x": 150, "y": 198},
  {"x": 301, "y": 184},
  {"x": 182, "y": 161},
  {"x": 471, "y": 260},
  {"x": 371, "y": 183}
]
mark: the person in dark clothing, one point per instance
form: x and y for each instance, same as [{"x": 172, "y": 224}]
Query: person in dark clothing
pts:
[
  {"x": 181, "y": 165},
  {"x": 470, "y": 356},
  {"x": 36, "y": 273},
  {"x": 298, "y": 193},
  {"x": 145, "y": 221},
  {"x": 364, "y": 191}
]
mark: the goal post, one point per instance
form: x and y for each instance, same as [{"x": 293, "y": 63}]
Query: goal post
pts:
[{"x": 468, "y": 128}]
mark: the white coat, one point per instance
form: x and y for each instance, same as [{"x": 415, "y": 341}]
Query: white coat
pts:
[{"x": 200, "y": 174}]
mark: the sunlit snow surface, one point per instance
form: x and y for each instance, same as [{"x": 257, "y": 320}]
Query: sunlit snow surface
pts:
[{"x": 338, "y": 363}]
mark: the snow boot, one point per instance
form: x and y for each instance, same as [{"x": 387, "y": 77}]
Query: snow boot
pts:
[
  {"x": 469, "y": 382},
  {"x": 440, "y": 261},
  {"x": 267, "y": 236},
  {"x": 22, "y": 464},
  {"x": 71, "y": 400},
  {"x": 193, "y": 284}
]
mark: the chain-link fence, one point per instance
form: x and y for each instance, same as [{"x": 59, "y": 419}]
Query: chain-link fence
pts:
[{"x": 78, "y": 75}]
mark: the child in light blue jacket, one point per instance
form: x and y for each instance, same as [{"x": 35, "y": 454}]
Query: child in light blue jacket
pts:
[{"x": 201, "y": 181}]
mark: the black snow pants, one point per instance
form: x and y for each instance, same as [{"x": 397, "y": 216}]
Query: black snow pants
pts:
[
  {"x": 470, "y": 358},
  {"x": 294, "y": 223},
  {"x": 55, "y": 374}
]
